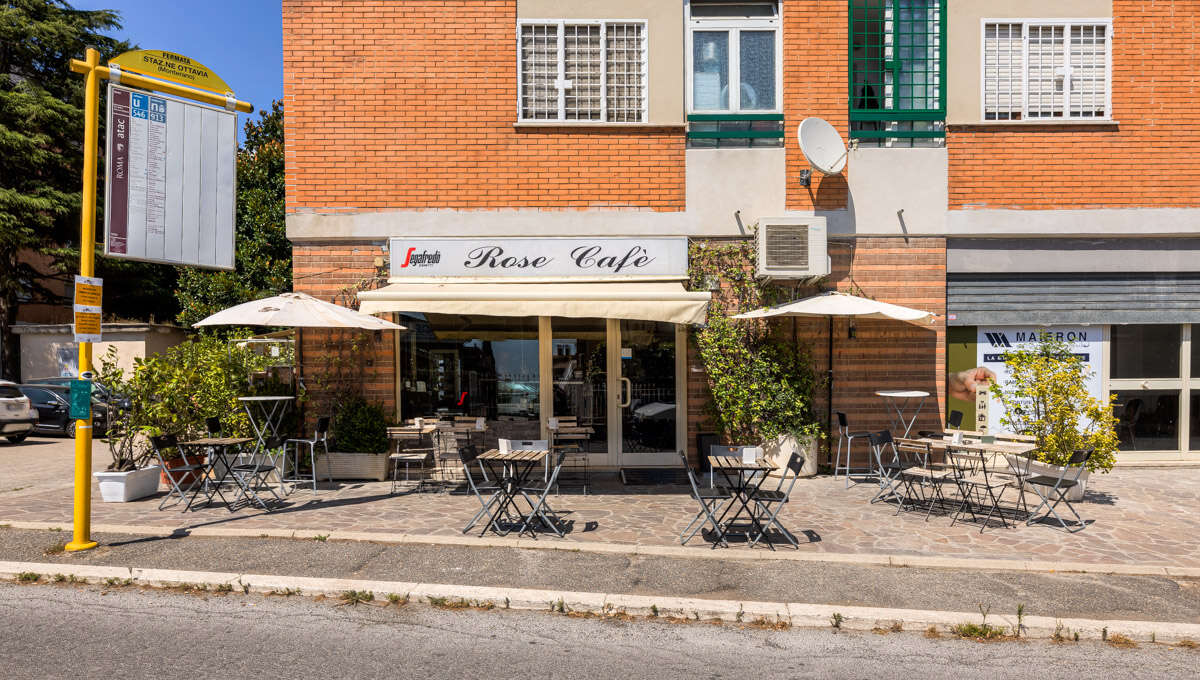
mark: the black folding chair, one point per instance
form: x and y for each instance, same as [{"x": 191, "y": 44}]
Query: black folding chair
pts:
[
  {"x": 196, "y": 471},
  {"x": 1058, "y": 488},
  {"x": 255, "y": 476},
  {"x": 979, "y": 487},
  {"x": 711, "y": 500},
  {"x": 771, "y": 501},
  {"x": 467, "y": 456},
  {"x": 887, "y": 469}
]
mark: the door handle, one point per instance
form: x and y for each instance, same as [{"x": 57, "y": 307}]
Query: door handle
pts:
[{"x": 628, "y": 393}]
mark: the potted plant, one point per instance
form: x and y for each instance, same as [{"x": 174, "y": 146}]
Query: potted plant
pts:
[
  {"x": 132, "y": 473},
  {"x": 1047, "y": 398},
  {"x": 359, "y": 446}
]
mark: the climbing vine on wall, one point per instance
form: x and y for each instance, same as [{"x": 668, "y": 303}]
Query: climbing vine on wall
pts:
[{"x": 762, "y": 385}]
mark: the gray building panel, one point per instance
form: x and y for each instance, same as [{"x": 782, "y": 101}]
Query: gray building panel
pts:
[{"x": 1072, "y": 298}]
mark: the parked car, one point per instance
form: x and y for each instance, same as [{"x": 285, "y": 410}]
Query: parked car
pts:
[
  {"x": 99, "y": 389},
  {"x": 17, "y": 416},
  {"x": 53, "y": 404}
]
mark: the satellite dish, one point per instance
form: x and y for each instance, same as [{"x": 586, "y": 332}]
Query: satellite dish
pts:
[{"x": 822, "y": 146}]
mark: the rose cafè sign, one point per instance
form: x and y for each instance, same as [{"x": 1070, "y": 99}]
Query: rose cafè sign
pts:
[{"x": 539, "y": 257}]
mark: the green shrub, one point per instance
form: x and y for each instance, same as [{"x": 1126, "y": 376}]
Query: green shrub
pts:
[{"x": 359, "y": 427}]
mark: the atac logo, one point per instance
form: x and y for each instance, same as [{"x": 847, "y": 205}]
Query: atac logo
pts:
[
  {"x": 997, "y": 340},
  {"x": 422, "y": 259}
]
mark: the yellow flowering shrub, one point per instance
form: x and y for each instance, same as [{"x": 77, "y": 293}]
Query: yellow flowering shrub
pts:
[{"x": 1047, "y": 398}]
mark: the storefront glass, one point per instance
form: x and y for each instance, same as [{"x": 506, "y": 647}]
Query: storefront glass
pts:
[
  {"x": 648, "y": 413},
  {"x": 1147, "y": 420},
  {"x": 468, "y": 365},
  {"x": 579, "y": 365},
  {"x": 1145, "y": 352}
]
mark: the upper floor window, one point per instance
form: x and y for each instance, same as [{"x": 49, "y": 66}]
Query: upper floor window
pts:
[
  {"x": 898, "y": 71},
  {"x": 1046, "y": 70},
  {"x": 582, "y": 71},
  {"x": 738, "y": 43}
]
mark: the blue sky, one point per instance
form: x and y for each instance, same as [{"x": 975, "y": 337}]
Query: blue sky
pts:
[{"x": 240, "y": 41}]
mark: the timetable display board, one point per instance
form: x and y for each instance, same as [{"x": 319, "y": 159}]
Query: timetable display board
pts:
[{"x": 171, "y": 180}]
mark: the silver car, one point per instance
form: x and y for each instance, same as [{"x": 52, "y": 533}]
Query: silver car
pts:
[{"x": 17, "y": 415}]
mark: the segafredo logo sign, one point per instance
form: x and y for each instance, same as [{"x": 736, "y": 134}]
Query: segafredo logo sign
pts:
[{"x": 539, "y": 257}]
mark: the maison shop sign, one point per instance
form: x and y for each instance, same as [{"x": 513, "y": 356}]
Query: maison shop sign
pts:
[{"x": 539, "y": 257}]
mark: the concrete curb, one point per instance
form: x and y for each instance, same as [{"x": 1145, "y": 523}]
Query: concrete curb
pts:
[
  {"x": 694, "y": 552},
  {"x": 608, "y": 604}
]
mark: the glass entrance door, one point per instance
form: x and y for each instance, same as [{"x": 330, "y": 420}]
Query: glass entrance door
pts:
[
  {"x": 579, "y": 381},
  {"x": 647, "y": 393}
]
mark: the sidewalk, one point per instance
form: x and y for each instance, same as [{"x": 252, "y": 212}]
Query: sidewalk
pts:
[
  {"x": 1086, "y": 596},
  {"x": 1143, "y": 520}
]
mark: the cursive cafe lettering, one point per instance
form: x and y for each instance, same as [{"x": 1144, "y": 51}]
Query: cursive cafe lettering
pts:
[
  {"x": 493, "y": 257},
  {"x": 591, "y": 257}
]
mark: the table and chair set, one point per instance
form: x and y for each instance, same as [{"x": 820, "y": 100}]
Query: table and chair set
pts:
[{"x": 964, "y": 474}]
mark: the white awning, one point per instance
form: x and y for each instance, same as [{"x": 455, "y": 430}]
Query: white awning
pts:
[{"x": 642, "y": 300}]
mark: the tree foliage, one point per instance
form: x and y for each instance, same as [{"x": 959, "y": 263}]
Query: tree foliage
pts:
[
  {"x": 41, "y": 161},
  {"x": 263, "y": 255},
  {"x": 762, "y": 386},
  {"x": 1047, "y": 398}
]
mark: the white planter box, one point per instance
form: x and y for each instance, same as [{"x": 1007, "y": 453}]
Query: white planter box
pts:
[
  {"x": 352, "y": 466},
  {"x": 1038, "y": 468},
  {"x": 781, "y": 448},
  {"x": 122, "y": 487}
]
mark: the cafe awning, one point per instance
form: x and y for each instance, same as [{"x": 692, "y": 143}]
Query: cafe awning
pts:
[{"x": 640, "y": 300}]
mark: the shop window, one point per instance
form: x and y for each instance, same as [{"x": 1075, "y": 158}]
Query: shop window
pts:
[
  {"x": 1046, "y": 70},
  {"x": 898, "y": 72},
  {"x": 1145, "y": 352},
  {"x": 733, "y": 74},
  {"x": 479, "y": 366},
  {"x": 1147, "y": 420},
  {"x": 582, "y": 71}
]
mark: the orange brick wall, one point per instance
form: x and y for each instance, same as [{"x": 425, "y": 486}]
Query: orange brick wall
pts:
[
  {"x": 329, "y": 272},
  {"x": 883, "y": 355},
  {"x": 1148, "y": 160},
  {"x": 402, "y": 105},
  {"x": 814, "y": 84}
]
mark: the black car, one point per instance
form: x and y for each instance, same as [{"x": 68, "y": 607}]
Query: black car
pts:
[
  {"x": 53, "y": 404},
  {"x": 99, "y": 390}
]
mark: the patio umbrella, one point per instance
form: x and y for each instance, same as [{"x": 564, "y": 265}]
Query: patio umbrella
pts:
[
  {"x": 296, "y": 310},
  {"x": 832, "y": 304}
]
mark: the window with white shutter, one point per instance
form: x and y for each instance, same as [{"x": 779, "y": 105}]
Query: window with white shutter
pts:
[
  {"x": 582, "y": 71},
  {"x": 1047, "y": 70}
]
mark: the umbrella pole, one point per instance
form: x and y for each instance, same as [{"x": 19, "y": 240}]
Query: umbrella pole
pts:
[{"x": 829, "y": 387}]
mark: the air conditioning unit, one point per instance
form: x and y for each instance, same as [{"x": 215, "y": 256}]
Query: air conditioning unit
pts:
[{"x": 792, "y": 247}]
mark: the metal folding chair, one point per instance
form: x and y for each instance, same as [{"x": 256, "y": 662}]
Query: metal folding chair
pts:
[
  {"x": 921, "y": 477},
  {"x": 197, "y": 471},
  {"x": 711, "y": 501},
  {"x": 979, "y": 487},
  {"x": 539, "y": 508},
  {"x": 1059, "y": 487},
  {"x": 321, "y": 437},
  {"x": 766, "y": 499},
  {"x": 886, "y": 470},
  {"x": 254, "y": 476},
  {"x": 466, "y": 457}
]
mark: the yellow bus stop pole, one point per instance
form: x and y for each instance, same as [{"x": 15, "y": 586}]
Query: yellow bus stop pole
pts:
[{"x": 82, "y": 536}]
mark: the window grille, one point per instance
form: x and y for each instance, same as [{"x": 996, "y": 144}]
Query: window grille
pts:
[
  {"x": 1045, "y": 71},
  {"x": 583, "y": 72}
]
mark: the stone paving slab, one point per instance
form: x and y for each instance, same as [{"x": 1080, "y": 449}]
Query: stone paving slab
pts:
[{"x": 1142, "y": 516}]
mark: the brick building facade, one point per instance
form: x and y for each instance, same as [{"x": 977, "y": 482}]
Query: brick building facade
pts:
[{"x": 417, "y": 124}]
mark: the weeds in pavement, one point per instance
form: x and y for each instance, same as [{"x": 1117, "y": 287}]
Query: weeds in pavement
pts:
[
  {"x": 190, "y": 588},
  {"x": 28, "y": 577},
  {"x": 117, "y": 582},
  {"x": 56, "y": 549},
  {"x": 978, "y": 631},
  {"x": 398, "y": 600},
  {"x": 55, "y": 529},
  {"x": 653, "y": 609},
  {"x": 1104, "y": 634},
  {"x": 742, "y": 613},
  {"x": 932, "y": 633},
  {"x": 1020, "y": 620},
  {"x": 767, "y": 624},
  {"x": 224, "y": 588},
  {"x": 506, "y": 603},
  {"x": 896, "y": 627},
  {"x": 353, "y": 597},
  {"x": 288, "y": 592},
  {"x": 321, "y": 538},
  {"x": 1118, "y": 640},
  {"x": 1188, "y": 644},
  {"x": 836, "y": 621},
  {"x": 451, "y": 603},
  {"x": 1062, "y": 634},
  {"x": 59, "y": 578}
]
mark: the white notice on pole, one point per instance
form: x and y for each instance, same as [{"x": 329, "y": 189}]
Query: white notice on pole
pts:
[{"x": 170, "y": 171}]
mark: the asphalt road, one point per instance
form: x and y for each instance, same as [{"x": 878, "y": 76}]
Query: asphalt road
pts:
[
  {"x": 1064, "y": 595},
  {"x": 85, "y": 631}
]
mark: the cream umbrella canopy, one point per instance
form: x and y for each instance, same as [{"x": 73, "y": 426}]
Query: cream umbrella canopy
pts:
[
  {"x": 832, "y": 304},
  {"x": 296, "y": 310}
]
